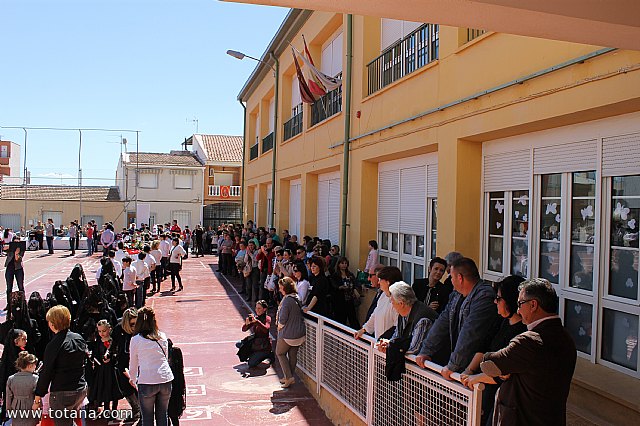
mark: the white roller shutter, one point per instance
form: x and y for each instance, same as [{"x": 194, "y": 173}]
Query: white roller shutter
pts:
[
  {"x": 432, "y": 181},
  {"x": 509, "y": 171},
  {"x": 327, "y": 60},
  {"x": 272, "y": 110},
  {"x": 56, "y": 216},
  {"x": 390, "y": 32},
  {"x": 388, "y": 200},
  {"x": 269, "y": 206},
  {"x": 333, "y": 233},
  {"x": 295, "y": 93},
  {"x": 256, "y": 197},
  {"x": 570, "y": 157},
  {"x": 621, "y": 155},
  {"x": 11, "y": 221},
  {"x": 183, "y": 217},
  {"x": 336, "y": 54},
  {"x": 323, "y": 209},
  {"x": 413, "y": 200},
  {"x": 295, "y": 190}
]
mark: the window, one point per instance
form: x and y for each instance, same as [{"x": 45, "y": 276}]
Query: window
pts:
[
  {"x": 507, "y": 242},
  {"x": 182, "y": 181},
  {"x": 583, "y": 226},
  {"x": 223, "y": 179},
  {"x": 148, "y": 180},
  {"x": 183, "y": 217},
  {"x": 211, "y": 172},
  {"x": 551, "y": 201}
]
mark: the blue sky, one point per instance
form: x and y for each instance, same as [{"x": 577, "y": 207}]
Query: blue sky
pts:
[{"x": 148, "y": 65}]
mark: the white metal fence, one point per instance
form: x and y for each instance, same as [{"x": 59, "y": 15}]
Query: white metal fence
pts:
[{"x": 353, "y": 372}]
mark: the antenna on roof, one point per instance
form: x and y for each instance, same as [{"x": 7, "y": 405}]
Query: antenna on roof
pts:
[{"x": 194, "y": 120}]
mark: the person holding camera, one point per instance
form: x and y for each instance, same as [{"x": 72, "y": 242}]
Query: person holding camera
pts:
[{"x": 259, "y": 324}]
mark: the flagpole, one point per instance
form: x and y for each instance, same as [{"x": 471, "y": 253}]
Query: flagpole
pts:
[{"x": 275, "y": 139}]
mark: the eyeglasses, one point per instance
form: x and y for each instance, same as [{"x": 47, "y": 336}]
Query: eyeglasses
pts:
[
  {"x": 522, "y": 302},
  {"x": 498, "y": 298}
]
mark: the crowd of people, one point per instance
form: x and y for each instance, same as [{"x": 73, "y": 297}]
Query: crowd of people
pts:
[
  {"x": 506, "y": 335},
  {"x": 98, "y": 344}
]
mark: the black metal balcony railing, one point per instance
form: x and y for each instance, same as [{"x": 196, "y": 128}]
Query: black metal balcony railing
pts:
[
  {"x": 473, "y": 33},
  {"x": 414, "y": 51},
  {"x": 253, "y": 152},
  {"x": 294, "y": 125},
  {"x": 328, "y": 105},
  {"x": 267, "y": 143}
]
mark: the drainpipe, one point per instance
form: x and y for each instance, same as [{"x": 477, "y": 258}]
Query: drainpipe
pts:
[
  {"x": 347, "y": 134},
  {"x": 244, "y": 150},
  {"x": 275, "y": 139}
]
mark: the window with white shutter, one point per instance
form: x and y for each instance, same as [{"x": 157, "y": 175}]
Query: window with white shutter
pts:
[
  {"x": 148, "y": 180},
  {"x": 393, "y": 30},
  {"x": 329, "y": 207},
  {"x": 295, "y": 190},
  {"x": 181, "y": 181},
  {"x": 331, "y": 59}
]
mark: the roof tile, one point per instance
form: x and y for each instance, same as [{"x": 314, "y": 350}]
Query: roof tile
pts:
[
  {"x": 222, "y": 148},
  {"x": 60, "y": 193}
]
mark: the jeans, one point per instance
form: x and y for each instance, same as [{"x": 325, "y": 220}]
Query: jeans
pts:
[
  {"x": 39, "y": 238},
  {"x": 140, "y": 294},
  {"x": 154, "y": 403},
  {"x": 50, "y": 244},
  {"x": 9, "y": 274},
  {"x": 90, "y": 247},
  {"x": 257, "y": 357},
  {"x": 253, "y": 286},
  {"x": 72, "y": 245},
  {"x": 70, "y": 400}
]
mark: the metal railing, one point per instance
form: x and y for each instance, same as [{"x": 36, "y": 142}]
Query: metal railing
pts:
[
  {"x": 353, "y": 372},
  {"x": 216, "y": 190},
  {"x": 294, "y": 125},
  {"x": 414, "y": 51},
  {"x": 253, "y": 152},
  {"x": 328, "y": 105},
  {"x": 267, "y": 143},
  {"x": 474, "y": 33}
]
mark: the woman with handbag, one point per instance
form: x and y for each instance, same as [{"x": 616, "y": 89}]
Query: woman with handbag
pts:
[
  {"x": 291, "y": 330},
  {"x": 175, "y": 263},
  {"x": 149, "y": 368}
]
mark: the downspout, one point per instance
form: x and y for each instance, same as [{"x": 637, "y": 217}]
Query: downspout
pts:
[
  {"x": 244, "y": 150},
  {"x": 275, "y": 140},
  {"x": 347, "y": 135}
]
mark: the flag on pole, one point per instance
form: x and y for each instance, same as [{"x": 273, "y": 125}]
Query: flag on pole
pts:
[
  {"x": 326, "y": 82},
  {"x": 315, "y": 85},
  {"x": 305, "y": 93}
]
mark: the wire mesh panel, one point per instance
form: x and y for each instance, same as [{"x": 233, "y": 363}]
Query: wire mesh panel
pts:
[
  {"x": 307, "y": 352},
  {"x": 419, "y": 399},
  {"x": 344, "y": 370}
]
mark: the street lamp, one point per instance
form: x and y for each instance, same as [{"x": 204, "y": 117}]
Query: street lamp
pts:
[{"x": 276, "y": 74}]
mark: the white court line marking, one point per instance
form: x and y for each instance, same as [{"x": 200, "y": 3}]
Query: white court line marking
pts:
[
  {"x": 193, "y": 371},
  {"x": 196, "y": 390},
  {"x": 203, "y": 265},
  {"x": 205, "y": 343}
]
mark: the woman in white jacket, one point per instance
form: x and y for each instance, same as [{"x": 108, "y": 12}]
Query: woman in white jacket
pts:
[{"x": 149, "y": 368}]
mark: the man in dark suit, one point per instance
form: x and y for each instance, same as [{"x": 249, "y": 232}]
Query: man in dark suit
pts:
[{"x": 538, "y": 363}]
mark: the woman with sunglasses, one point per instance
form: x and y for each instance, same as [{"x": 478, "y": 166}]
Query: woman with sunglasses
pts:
[
  {"x": 301, "y": 277},
  {"x": 510, "y": 326}
]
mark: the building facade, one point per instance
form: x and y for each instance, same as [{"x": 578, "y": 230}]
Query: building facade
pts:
[
  {"x": 10, "y": 163},
  {"x": 61, "y": 203},
  {"x": 222, "y": 156},
  {"x": 168, "y": 186},
  {"x": 521, "y": 153}
]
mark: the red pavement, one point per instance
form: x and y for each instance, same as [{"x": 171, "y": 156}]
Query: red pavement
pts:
[{"x": 205, "y": 321}]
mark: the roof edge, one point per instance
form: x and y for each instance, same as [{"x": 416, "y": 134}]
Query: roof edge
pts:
[{"x": 291, "y": 24}]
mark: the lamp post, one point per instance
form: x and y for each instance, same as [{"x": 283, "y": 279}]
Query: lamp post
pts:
[{"x": 276, "y": 74}]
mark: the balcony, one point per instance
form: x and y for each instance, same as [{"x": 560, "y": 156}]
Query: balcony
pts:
[
  {"x": 267, "y": 143},
  {"x": 406, "y": 56},
  {"x": 328, "y": 105},
  {"x": 294, "y": 125},
  {"x": 225, "y": 191},
  {"x": 474, "y": 33},
  {"x": 253, "y": 152}
]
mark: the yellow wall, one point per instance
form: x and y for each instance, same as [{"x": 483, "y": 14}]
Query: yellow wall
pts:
[{"x": 596, "y": 88}]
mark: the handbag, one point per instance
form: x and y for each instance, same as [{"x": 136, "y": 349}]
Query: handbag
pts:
[
  {"x": 246, "y": 348},
  {"x": 246, "y": 271}
]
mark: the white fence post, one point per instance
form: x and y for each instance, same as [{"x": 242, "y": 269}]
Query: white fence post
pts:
[
  {"x": 371, "y": 377},
  {"x": 319, "y": 353}
]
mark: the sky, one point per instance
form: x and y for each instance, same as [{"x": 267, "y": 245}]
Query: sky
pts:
[{"x": 150, "y": 65}]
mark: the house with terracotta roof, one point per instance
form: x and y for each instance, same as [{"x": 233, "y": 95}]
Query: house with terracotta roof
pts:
[
  {"x": 222, "y": 156},
  {"x": 62, "y": 203},
  {"x": 160, "y": 187}
]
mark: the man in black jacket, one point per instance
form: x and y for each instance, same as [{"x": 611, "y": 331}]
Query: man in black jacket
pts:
[{"x": 431, "y": 291}]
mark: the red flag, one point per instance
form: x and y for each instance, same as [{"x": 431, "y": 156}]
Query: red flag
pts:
[
  {"x": 315, "y": 85},
  {"x": 305, "y": 93}
]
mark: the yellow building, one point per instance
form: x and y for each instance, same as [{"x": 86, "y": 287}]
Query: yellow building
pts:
[{"x": 521, "y": 153}]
